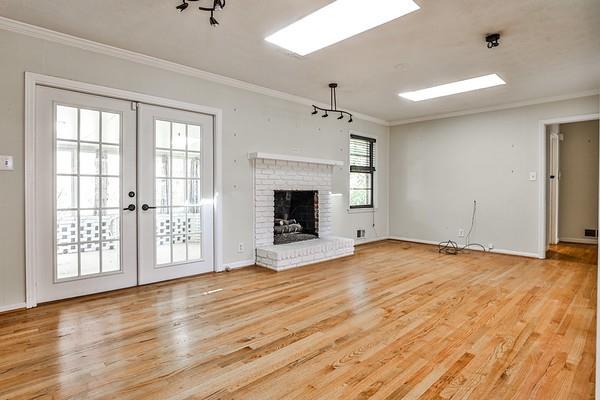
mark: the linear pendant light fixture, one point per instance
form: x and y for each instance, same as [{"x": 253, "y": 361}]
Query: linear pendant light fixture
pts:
[
  {"x": 338, "y": 21},
  {"x": 448, "y": 89}
]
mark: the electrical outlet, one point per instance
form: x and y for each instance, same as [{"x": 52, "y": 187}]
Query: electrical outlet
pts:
[
  {"x": 241, "y": 247},
  {"x": 6, "y": 163},
  {"x": 461, "y": 233},
  {"x": 491, "y": 246},
  {"x": 360, "y": 233}
]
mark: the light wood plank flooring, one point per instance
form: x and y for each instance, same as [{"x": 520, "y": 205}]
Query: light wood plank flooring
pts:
[{"x": 396, "y": 321}]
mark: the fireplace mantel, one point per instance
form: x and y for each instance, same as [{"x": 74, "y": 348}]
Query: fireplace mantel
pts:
[{"x": 283, "y": 157}]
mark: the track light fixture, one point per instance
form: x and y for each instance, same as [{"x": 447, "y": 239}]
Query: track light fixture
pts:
[
  {"x": 216, "y": 4},
  {"x": 333, "y": 109},
  {"x": 182, "y": 6},
  {"x": 492, "y": 40}
]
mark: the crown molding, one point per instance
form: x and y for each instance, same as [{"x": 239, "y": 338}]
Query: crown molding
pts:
[
  {"x": 508, "y": 106},
  {"x": 100, "y": 48}
]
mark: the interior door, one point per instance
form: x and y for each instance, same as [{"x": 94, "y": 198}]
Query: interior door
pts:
[
  {"x": 85, "y": 152},
  {"x": 175, "y": 175}
]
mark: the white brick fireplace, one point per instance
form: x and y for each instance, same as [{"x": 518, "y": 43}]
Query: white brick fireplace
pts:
[{"x": 281, "y": 172}]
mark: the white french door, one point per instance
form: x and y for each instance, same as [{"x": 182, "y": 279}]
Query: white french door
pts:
[
  {"x": 176, "y": 193},
  {"x": 101, "y": 168}
]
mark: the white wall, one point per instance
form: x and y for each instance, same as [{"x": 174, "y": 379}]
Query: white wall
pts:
[
  {"x": 578, "y": 203},
  {"x": 251, "y": 122},
  {"x": 439, "y": 167}
]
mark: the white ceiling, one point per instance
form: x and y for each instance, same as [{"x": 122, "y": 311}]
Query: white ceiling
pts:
[{"x": 549, "y": 47}]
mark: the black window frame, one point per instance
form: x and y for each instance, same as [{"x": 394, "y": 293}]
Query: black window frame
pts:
[{"x": 370, "y": 169}]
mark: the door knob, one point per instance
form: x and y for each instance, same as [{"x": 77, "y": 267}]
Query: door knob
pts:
[
  {"x": 130, "y": 207},
  {"x": 146, "y": 207}
]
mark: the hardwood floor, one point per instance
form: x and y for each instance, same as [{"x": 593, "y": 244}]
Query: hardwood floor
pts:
[{"x": 396, "y": 321}]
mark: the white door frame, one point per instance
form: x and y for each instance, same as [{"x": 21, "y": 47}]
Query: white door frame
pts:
[
  {"x": 542, "y": 216},
  {"x": 31, "y": 81},
  {"x": 554, "y": 184}
]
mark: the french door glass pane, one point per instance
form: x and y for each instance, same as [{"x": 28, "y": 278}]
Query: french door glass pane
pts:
[
  {"x": 66, "y": 157},
  {"x": 194, "y": 244},
  {"x": 111, "y": 160},
  {"x": 90, "y": 125},
  {"x": 66, "y": 123},
  {"x": 89, "y": 159},
  {"x": 88, "y": 192},
  {"x": 89, "y": 226},
  {"x": 90, "y": 259},
  {"x": 66, "y": 192},
  {"x": 163, "y": 250},
  {"x": 111, "y": 256},
  {"x": 111, "y": 128},
  {"x": 67, "y": 261},
  {"x": 66, "y": 227},
  {"x": 178, "y": 195}
]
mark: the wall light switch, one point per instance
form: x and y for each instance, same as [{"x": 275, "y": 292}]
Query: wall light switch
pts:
[
  {"x": 533, "y": 176},
  {"x": 6, "y": 163}
]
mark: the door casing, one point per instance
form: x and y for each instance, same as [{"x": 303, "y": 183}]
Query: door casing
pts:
[{"x": 31, "y": 81}]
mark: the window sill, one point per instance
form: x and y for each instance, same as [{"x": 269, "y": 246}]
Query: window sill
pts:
[{"x": 361, "y": 210}]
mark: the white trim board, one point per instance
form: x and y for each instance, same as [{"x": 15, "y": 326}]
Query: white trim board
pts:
[
  {"x": 13, "y": 307},
  {"x": 283, "y": 157},
  {"x": 493, "y": 251},
  {"x": 542, "y": 176},
  {"x": 240, "y": 264},
  {"x": 578, "y": 240},
  {"x": 96, "y": 47},
  {"x": 100, "y": 48},
  {"x": 532, "y": 102},
  {"x": 31, "y": 81}
]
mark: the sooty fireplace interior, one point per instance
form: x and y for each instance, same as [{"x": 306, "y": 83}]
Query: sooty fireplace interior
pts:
[{"x": 296, "y": 216}]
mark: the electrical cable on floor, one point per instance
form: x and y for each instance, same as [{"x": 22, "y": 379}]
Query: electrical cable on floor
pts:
[{"x": 450, "y": 247}]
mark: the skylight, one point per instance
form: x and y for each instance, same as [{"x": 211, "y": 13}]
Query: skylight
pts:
[
  {"x": 338, "y": 21},
  {"x": 448, "y": 89}
]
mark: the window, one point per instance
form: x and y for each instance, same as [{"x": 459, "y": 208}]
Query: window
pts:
[{"x": 362, "y": 170}]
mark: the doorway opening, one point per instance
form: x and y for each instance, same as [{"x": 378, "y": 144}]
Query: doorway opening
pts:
[{"x": 571, "y": 188}]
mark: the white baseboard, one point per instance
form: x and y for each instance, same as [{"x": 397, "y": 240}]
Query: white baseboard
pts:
[
  {"x": 578, "y": 240},
  {"x": 240, "y": 264},
  {"x": 496, "y": 251},
  {"x": 13, "y": 307},
  {"x": 358, "y": 242}
]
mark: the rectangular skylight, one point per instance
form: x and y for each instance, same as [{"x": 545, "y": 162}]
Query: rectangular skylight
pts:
[
  {"x": 338, "y": 21},
  {"x": 448, "y": 89}
]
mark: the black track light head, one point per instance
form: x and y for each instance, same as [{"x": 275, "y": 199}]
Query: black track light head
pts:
[
  {"x": 213, "y": 21},
  {"x": 182, "y": 6},
  {"x": 492, "y": 40},
  {"x": 341, "y": 116},
  {"x": 350, "y": 120},
  {"x": 325, "y": 115},
  {"x": 315, "y": 112}
]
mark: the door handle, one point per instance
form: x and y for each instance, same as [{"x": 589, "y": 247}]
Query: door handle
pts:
[
  {"x": 146, "y": 207},
  {"x": 130, "y": 207}
]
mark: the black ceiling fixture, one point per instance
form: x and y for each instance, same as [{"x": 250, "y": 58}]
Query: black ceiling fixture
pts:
[
  {"x": 333, "y": 109},
  {"x": 216, "y": 4},
  {"x": 492, "y": 40}
]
